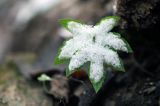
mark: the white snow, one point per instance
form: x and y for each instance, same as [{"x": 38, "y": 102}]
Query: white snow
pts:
[
  {"x": 79, "y": 29},
  {"x": 115, "y": 42},
  {"x": 105, "y": 25},
  {"x": 83, "y": 48},
  {"x": 96, "y": 71}
]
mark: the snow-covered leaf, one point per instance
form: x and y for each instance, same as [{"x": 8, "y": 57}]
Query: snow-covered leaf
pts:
[
  {"x": 58, "y": 60},
  {"x": 97, "y": 85},
  {"x": 94, "y": 44}
]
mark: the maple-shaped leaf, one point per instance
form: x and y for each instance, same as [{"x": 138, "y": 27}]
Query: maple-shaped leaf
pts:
[{"x": 93, "y": 44}]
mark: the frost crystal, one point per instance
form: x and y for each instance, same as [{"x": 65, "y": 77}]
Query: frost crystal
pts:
[{"x": 94, "y": 44}]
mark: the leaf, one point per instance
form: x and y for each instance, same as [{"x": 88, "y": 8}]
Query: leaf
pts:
[
  {"x": 44, "y": 77},
  {"x": 84, "y": 67},
  {"x": 64, "y": 23},
  {"x": 70, "y": 72},
  {"x": 99, "y": 84},
  {"x": 77, "y": 59},
  {"x": 116, "y": 18},
  {"x": 57, "y": 60},
  {"x": 121, "y": 67},
  {"x": 107, "y": 23},
  {"x": 94, "y": 44},
  {"x": 127, "y": 44}
]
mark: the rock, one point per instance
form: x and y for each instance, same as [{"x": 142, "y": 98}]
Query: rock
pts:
[
  {"x": 59, "y": 87},
  {"x": 16, "y": 91}
]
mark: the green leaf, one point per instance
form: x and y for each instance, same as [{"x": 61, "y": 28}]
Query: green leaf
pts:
[
  {"x": 127, "y": 44},
  {"x": 117, "y": 34},
  {"x": 57, "y": 60},
  {"x": 84, "y": 66},
  {"x": 97, "y": 85},
  {"x": 116, "y": 18},
  {"x": 121, "y": 67},
  {"x": 64, "y": 22},
  {"x": 77, "y": 28},
  {"x": 60, "y": 61},
  {"x": 69, "y": 72}
]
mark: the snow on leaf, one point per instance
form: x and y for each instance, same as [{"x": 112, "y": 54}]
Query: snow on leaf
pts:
[
  {"x": 96, "y": 71},
  {"x": 94, "y": 44},
  {"x": 114, "y": 41},
  {"x": 107, "y": 23}
]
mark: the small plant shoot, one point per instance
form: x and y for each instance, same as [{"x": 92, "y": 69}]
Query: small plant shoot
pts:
[
  {"x": 44, "y": 78},
  {"x": 95, "y": 45}
]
